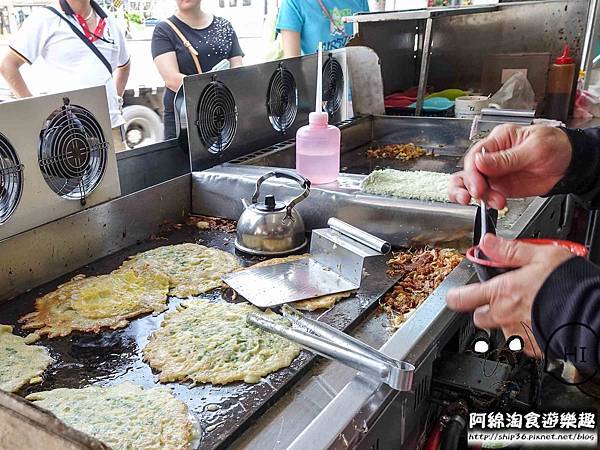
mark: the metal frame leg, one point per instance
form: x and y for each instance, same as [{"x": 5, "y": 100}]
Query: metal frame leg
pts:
[
  {"x": 592, "y": 240},
  {"x": 424, "y": 72},
  {"x": 590, "y": 38}
]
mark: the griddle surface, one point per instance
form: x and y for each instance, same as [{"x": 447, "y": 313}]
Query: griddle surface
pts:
[
  {"x": 442, "y": 160},
  {"x": 112, "y": 357}
]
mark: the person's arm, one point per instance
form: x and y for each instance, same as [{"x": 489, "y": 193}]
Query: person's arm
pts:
[
  {"x": 25, "y": 47},
  {"x": 121, "y": 74},
  {"x": 236, "y": 61},
  {"x": 519, "y": 161},
  {"x": 565, "y": 315},
  {"x": 10, "y": 70},
  {"x": 290, "y": 23},
  {"x": 169, "y": 70},
  {"x": 121, "y": 77},
  {"x": 551, "y": 300},
  {"x": 530, "y": 161},
  {"x": 582, "y": 177},
  {"x": 291, "y": 43},
  {"x": 165, "y": 58}
]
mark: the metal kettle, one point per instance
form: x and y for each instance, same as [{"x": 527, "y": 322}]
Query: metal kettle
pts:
[{"x": 271, "y": 227}]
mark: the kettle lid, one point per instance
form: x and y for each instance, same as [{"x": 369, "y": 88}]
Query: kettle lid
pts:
[{"x": 270, "y": 205}]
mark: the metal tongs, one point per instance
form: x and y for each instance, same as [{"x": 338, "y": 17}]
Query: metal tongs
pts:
[
  {"x": 331, "y": 343},
  {"x": 485, "y": 221}
]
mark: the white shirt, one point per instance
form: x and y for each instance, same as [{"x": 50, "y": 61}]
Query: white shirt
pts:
[{"x": 69, "y": 63}]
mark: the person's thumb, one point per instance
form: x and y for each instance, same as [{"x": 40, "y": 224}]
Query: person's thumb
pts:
[
  {"x": 507, "y": 253},
  {"x": 504, "y": 162}
]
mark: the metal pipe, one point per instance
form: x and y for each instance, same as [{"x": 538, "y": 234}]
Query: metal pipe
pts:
[
  {"x": 359, "y": 235},
  {"x": 588, "y": 48},
  {"x": 529, "y": 114},
  {"x": 452, "y": 433},
  {"x": 424, "y": 72}
]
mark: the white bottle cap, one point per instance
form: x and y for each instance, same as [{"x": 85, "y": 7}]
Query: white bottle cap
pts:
[{"x": 318, "y": 118}]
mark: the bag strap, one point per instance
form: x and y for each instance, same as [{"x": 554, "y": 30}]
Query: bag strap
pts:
[
  {"x": 85, "y": 40},
  {"x": 340, "y": 29},
  {"x": 187, "y": 44}
]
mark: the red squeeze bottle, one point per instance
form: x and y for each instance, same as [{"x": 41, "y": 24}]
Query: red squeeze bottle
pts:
[{"x": 560, "y": 87}]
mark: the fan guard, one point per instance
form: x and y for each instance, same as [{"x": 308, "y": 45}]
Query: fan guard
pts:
[
  {"x": 217, "y": 117},
  {"x": 282, "y": 99},
  {"x": 333, "y": 85},
  {"x": 73, "y": 152},
  {"x": 11, "y": 179}
]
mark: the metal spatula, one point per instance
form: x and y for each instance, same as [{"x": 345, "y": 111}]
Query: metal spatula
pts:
[{"x": 335, "y": 265}]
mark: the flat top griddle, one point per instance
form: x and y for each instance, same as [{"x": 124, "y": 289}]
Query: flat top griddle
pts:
[
  {"x": 443, "y": 159},
  {"x": 111, "y": 357},
  {"x": 447, "y": 143},
  {"x": 440, "y": 160}
]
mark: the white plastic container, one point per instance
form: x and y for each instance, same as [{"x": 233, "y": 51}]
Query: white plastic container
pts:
[
  {"x": 469, "y": 106},
  {"x": 318, "y": 150}
]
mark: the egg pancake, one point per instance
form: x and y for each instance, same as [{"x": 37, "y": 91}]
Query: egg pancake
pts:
[
  {"x": 107, "y": 301},
  {"x": 417, "y": 185},
  {"x": 192, "y": 269},
  {"x": 124, "y": 416},
  {"x": 212, "y": 343},
  {"x": 323, "y": 302},
  {"x": 20, "y": 363}
]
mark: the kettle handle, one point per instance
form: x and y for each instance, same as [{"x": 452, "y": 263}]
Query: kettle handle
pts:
[{"x": 303, "y": 182}]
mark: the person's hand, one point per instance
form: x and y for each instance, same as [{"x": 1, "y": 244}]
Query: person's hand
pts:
[
  {"x": 506, "y": 301},
  {"x": 519, "y": 161}
]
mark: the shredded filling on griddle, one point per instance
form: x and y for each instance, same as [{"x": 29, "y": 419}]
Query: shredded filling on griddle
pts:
[
  {"x": 403, "y": 152},
  {"x": 212, "y": 223},
  {"x": 422, "y": 272}
]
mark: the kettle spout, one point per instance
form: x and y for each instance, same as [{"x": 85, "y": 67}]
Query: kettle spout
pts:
[{"x": 245, "y": 203}]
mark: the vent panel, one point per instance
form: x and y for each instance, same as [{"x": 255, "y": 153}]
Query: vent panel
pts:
[
  {"x": 333, "y": 86},
  {"x": 282, "y": 99},
  {"x": 11, "y": 179},
  {"x": 421, "y": 392},
  {"x": 73, "y": 152},
  {"x": 217, "y": 117}
]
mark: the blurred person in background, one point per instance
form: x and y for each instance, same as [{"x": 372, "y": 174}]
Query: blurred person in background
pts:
[
  {"x": 303, "y": 23},
  {"x": 190, "y": 42},
  {"x": 81, "y": 45}
]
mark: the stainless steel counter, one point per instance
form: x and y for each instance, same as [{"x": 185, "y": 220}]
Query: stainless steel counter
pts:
[
  {"x": 331, "y": 406},
  {"x": 338, "y": 407}
]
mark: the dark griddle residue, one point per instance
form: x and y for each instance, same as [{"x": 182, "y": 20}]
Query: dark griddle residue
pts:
[{"x": 112, "y": 357}]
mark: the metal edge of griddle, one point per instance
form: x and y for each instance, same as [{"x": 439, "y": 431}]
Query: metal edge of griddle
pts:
[
  {"x": 57, "y": 246},
  {"x": 361, "y": 400},
  {"x": 218, "y": 192}
]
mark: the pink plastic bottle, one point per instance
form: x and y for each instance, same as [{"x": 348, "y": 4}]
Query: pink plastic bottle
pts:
[{"x": 318, "y": 149}]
